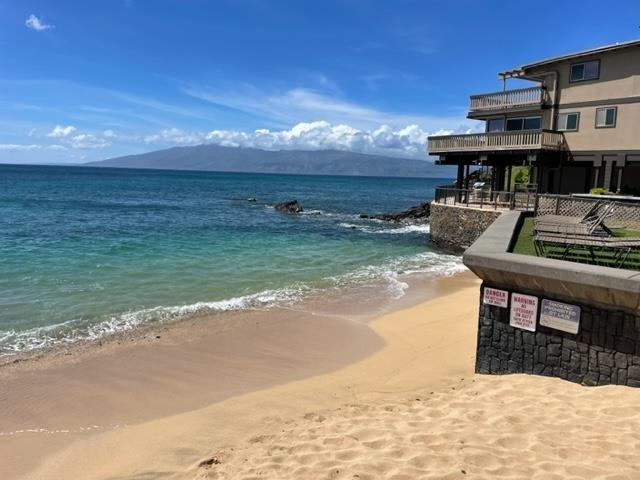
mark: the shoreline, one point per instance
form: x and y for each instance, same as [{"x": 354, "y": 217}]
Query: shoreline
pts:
[
  {"x": 148, "y": 331},
  {"x": 137, "y": 379}
]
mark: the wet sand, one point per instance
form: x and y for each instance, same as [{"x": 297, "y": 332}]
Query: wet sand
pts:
[{"x": 53, "y": 401}]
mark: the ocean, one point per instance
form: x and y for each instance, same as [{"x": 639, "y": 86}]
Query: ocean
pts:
[{"x": 88, "y": 252}]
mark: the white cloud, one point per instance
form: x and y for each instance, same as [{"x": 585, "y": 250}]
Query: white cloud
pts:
[
  {"x": 13, "y": 147},
  {"x": 34, "y": 23},
  {"x": 61, "y": 132},
  {"x": 17, "y": 147},
  {"x": 87, "y": 140},
  {"x": 70, "y": 136},
  {"x": 175, "y": 136},
  {"x": 407, "y": 141}
]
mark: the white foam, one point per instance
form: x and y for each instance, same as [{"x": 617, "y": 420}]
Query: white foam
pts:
[
  {"x": 386, "y": 230},
  {"x": 71, "y": 331}
]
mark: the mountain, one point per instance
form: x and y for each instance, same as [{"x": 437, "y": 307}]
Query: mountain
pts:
[{"x": 303, "y": 162}]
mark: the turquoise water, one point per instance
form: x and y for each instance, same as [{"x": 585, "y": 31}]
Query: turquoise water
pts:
[{"x": 87, "y": 252}]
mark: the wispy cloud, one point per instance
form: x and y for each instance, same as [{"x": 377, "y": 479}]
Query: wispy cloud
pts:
[
  {"x": 35, "y": 23},
  {"x": 305, "y": 104},
  {"x": 15, "y": 147}
]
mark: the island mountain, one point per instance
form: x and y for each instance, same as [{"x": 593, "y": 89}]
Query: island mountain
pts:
[{"x": 303, "y": 162}]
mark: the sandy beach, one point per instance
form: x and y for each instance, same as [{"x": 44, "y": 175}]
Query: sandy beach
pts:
[{"x": 312, "y": 396}]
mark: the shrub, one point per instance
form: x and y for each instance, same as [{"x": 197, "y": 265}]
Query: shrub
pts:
[{"x": 599, "y": 191}]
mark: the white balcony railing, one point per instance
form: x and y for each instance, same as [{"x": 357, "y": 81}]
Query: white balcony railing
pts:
[
  {"x": 523, "y": 97},
  {"x": 497, "y": 141}
]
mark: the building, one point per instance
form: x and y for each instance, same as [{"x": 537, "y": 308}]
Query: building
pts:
[{"x": 577, "y": 126}]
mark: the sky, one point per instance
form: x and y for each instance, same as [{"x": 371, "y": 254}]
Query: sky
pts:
[{"x": 89, "y": 80}]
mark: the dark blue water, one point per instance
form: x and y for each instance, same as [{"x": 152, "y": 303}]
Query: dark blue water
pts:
[{"x": 89, "y": 251}]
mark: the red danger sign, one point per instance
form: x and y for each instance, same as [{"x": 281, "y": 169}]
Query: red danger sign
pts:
[{"x": 493, "y": 296}]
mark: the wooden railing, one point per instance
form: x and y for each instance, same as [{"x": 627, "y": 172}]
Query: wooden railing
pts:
[
  {"x": 481, "y": 198},
  {"x": 486, "y": 142},
  {"x": 522, "y": 97}
]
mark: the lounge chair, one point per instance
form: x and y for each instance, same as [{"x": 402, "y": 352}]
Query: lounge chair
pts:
[
  {"x": 619, "y": 247},
  {"x": 591, "y": 224}
]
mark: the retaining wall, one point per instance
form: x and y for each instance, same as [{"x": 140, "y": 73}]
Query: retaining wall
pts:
[
  {"x": 606, "y": 349},
  {"x": 455, "y": 228},
  {"x": 552, "y": 317}
]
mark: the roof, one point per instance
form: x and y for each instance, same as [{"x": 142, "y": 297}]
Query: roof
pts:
[{"x": 519, "y": 71}]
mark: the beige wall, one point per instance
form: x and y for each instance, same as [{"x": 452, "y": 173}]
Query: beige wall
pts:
[
  {"x": 619, "y": 77},
  {"x": 624, "y": 136}
]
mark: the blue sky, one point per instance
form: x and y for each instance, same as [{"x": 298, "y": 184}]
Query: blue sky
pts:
[{"x": 87, "y": 80}]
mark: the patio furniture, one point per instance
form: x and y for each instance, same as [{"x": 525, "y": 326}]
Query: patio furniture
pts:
[
  {"x": 591, "y": 224},
  {"x": 616, "y": 250}
]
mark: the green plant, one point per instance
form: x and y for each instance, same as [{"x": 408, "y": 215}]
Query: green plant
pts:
[
  {"x": 520, "y": 175},
  {"x": 599, "y": 191}
]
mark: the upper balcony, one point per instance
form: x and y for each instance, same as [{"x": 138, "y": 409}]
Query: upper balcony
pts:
[
  {"x": 508, "y": 100},
  {"x": 521, "y": 140}
]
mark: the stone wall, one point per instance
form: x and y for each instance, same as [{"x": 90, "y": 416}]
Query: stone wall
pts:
[
  {"x": 456, "y": 228},
  {"x": 606, "y": 349}
]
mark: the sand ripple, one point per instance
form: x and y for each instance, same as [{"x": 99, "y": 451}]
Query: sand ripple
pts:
[{"x": 486, "y": 427}]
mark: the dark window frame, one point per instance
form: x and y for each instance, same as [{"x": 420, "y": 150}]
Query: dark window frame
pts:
[
  {"x": 522, "y": 119},
  {"x": 577, "y": 114},
  {"x": 597, "y": 77},
  {"x": 615, "y": 117}
]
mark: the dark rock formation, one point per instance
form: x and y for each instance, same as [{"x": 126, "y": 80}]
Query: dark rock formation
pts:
[
  {"x": 417, "y": 214},
  {"x": 289, "y": 207}
]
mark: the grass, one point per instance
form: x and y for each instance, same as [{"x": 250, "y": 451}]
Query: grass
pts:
[{"x": 524, "y": 246}]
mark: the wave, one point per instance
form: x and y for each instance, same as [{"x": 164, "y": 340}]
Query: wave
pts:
[
  {"x": 391, "y": 272},
  {"x": 388, "y": 230},
  {"x": 72, "y": 331}
]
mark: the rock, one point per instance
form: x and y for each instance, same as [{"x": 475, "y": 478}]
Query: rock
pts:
[
  {"x": 252, "y": 199},
  {"x": 416, "y": 214},
  {"x": 289, "y": 207},
  {"x": 209, "y": 461}
]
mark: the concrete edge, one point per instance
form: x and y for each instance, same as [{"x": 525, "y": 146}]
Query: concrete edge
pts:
[{"x": 490, "y": 259}]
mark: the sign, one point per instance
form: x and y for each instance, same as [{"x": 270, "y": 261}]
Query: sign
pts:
[
  {"x": 561, "y": 316},
  {"x": 493, "y": 296},
  {"x": 524, "y": 311}
]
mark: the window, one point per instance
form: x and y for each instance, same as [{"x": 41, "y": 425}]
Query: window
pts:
[
  {"x": 606, "y": 117},
  {"x": 568, "y": 122},
  {"x": 585, "y": 71},
  {"x": 495, "y": 124},
  {"x": 526, "y": 123},
  {"x": 532, "y": 123}
]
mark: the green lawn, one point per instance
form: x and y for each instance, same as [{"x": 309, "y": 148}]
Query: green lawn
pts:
[{"x": 524, "y": 245}]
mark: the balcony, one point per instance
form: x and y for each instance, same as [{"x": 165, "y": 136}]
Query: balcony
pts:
[
  {"x": 522, "y": 140},
  {"x": 520, "y": 99}
]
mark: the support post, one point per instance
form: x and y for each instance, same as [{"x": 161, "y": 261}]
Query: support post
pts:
[{"x": 459, "y": 177}]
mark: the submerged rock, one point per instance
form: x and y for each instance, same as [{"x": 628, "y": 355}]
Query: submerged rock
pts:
[
  {"x": 416, "y": 214},
  {"x": 289, "y": 207}
]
